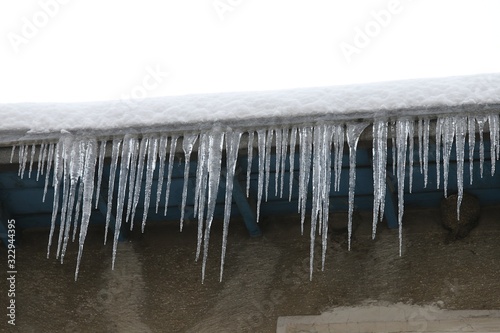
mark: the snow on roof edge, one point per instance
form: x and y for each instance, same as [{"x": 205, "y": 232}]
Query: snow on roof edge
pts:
[{"x": 472, "y": 93}]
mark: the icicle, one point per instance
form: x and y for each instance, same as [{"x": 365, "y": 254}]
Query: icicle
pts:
[
  {"x": 249, "y": 159},
  {"x": 354, "y": 130},
  {"x": 162, "y": 151},
  {"x": 411, "y": 138},
  {"x": 129, "y": 143},
  {"x": 134, "y": 149},
  {"x": 102, "y": 155},
  {"x": 402, "y": 135},
  {"x": 232, "y": 146},
  {"x": 151, "y": 166},
  {"x": 284, "y": 149},
  {"x": 480, "y": 123},
  {"x": 32, "y": 159},
  {"x": 471, "y": 125},
  {"x": 321, "y": 177},
  {"x": 493, "y": 122},
  {"x": 379, "y": 171},
  {"x": 77, "y": 210},
  {"x": 20, "y": 159},
  {"x": 448, "y": 138},
  {"x": 426, "y": 150},
  {"x": 201, "y": 180},
  {"x": 306, "y": 136},
  {"x": 278, "y": 148},
  {"x": 40, "y": 161},
  {"x": 269, "y": 140},
  {"x": 461, "y": 131},
  {"x": 78, "y": 206},
  {"x": 12, "y": 153},
  {"x": 23, "y": 159},
  {"x": 173, "y": 145},
  {"x": 58, "y": 173},
  {"x": 261, "y": 138},
  {"x": 50, "y": 159},
  {"x": 216, "y": 140},
  {"x": 115, "y": 152},
  {"x": 325, "y": 194},
  {"x": 201, "y": 187},
  {"x": 338, "y": 145},
  {"x": 138, "y": 180},
  {"x": 188, "y": 142},
  {"x": 69, "y": 157},
  {"x": 420, "y": 130},
  {"x": 293, "y": 140},
  {"x": 439, "y": 130},
  {"x": 76, "y": 164},
  {"x": 393, "y": 147},
  {"x": 317, "y": 183},
  {"x": 88, "y": 192}
]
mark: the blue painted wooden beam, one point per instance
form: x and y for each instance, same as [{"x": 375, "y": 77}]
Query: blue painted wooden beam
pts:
[{"x": 248, "y": 212}]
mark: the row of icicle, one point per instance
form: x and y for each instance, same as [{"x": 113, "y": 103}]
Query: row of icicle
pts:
[{"x": 73, "y": 161}]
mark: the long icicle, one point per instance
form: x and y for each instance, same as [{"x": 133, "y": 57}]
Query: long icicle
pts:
[
  {"x": 102, "y": 155},
  {"x": 126, "y": 159},
  {"x": 115, "y": 152},
  {"x": 353, "y": 132},
  {"x": 267, "y": 167},
  {"x": 88, "y": 192},
  {"x": 162, "y": 151},
  {"x": 216, "y": 141},
  {"x": 173, "y": 145},
  {"x": 425, "y": 142},
  {"x": 379, "y": 170},
  {"x": 56, "y": 180},
  {"x": 188, "y": 142},
  {"x": 261, "y": 138},
  {"x": 251, "y": 135},
  {"x": 201, "y": 188},
  {"x": 134, "y": 148},
  {"x": 284, "y": 149},
  {"x": 471, "y": 128},
  {"x": 306, "y": 136},
  {"x": 293, "y": 141},
  {"x": 50, "y": 160},
  {"x": 150, "y": 169},
  {"x": 138, "y": 179},
  {"x": 402, "y": 133},
  {"x": 232, "y": 145}
]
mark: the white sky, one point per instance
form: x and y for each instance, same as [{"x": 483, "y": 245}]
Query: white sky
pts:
[{"x": 101, "y": 50}]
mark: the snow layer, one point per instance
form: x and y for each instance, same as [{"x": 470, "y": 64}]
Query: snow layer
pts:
[{"x": 343, "y": 102}]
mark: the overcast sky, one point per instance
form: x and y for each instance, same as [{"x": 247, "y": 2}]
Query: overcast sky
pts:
[{"x": 75, "y": 50}]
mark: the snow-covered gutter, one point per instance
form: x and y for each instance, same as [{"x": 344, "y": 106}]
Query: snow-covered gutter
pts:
[
  {"x": 70, "y": 141},
  {"x": 247, "y": 110}
]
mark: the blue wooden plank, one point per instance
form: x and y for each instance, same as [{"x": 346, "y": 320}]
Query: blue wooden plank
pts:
[{"x": 248, "y": 213}]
